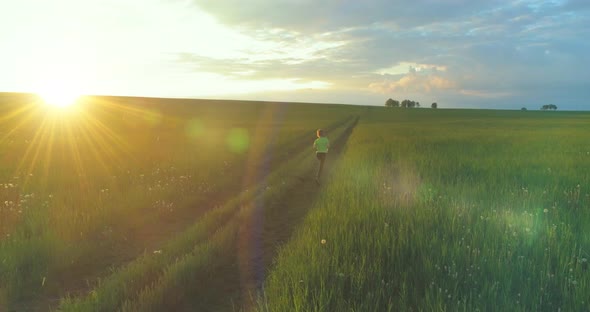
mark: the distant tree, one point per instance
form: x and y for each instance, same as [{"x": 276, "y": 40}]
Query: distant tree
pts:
[
  {"x": 391, "y": 103},
  {"x": 549, "y": 107},
  {"x": 404, "y": 104},
  {"x": 408, "y": 103},
  {"x": 434, "y": 105},
  {"x": 523, "y": 109}
]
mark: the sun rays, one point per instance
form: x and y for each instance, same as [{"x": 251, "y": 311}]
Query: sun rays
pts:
[{"x": 65, "y": 135}]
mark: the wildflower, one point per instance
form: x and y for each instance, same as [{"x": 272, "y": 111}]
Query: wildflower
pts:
[
  {"x": 545, "y": 210},
  {"x": 323, "y": 241}
]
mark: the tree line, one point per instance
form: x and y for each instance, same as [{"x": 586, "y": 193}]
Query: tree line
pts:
[
  {"x": 411, "y": 104},
  {"x": 405, "y": 103},
  {"x": 549, "y": 107}
]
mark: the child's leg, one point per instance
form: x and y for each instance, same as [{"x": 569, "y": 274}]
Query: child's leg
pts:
[{"x": 321, "y": 157}]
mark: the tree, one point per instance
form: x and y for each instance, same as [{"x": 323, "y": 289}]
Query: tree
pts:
[
  {"x": 549, "y": 106},
  {"x": 434, "y": 105},
  {"x": 523, "y": 109},
  {"x": 404, "y": 104},
  {"x": 391, "y": 103},
  {"x": 408, "y": 104}
]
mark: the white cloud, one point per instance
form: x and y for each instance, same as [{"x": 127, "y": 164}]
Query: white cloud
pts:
[
  {"x": 406, "y": 67},
  {"x": 413, "y": 82}
]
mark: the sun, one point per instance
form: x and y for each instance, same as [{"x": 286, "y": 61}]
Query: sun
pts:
[{"x": 59, "y": 98}]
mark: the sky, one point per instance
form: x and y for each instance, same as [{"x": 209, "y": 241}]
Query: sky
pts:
[{"x": 459, "y": 53}]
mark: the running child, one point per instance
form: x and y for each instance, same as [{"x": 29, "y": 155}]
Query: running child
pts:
[{"x": 321, "y": 145}]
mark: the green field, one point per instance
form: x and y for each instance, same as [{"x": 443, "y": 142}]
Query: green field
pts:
[
  {"x": 447, "y": 210},
  {"x": 138, "y": 204}
]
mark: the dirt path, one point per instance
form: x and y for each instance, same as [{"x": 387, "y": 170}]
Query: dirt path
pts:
[{"x": 233, "y": 285}]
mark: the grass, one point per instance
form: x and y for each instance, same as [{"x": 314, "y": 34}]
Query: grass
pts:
[
  {"x": 134, "y": 204},
  {"x": 185, "y": 260},
  {"x": 447, "y": 210},
  {"x": 89, "y": 191}
]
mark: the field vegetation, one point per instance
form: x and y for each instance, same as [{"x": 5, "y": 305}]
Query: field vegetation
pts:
[
  {"x": 137, "y": 204},
  {"x": 108, "y": 200},
  {"x": 447, "y": 210}
]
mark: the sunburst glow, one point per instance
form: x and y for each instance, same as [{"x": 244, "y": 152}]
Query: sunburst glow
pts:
[{"x": 59, "y": 98}]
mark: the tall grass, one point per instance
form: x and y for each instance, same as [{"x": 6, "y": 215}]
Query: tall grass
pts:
[
  {"x": 447, "y": 210},
  {"x": 85, "y": 192},
  {"x": 184, "y": 265}
]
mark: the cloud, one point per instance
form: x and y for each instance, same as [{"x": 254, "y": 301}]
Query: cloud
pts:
[
  {"x": 280, "y": 68},
  {"x": 462, "y": 50},
  {"x": 405, "y": 67},
  {"x": 328, "y": 15},
  {"x": 413, "y": 82},
  {"x": 485, "y": 93},
  {"x": 487, "y": 51}
]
